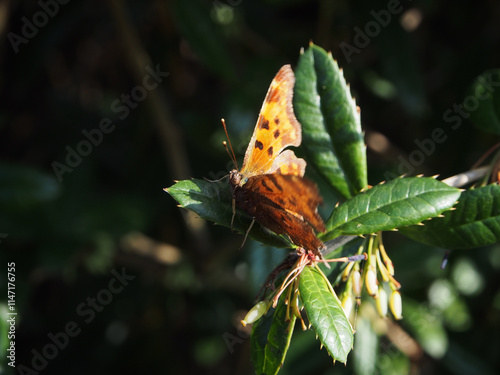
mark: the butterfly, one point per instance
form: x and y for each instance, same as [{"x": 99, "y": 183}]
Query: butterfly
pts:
[{"x": 270, "y": 186}]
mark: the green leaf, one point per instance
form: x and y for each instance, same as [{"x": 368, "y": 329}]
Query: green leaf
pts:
[
  {"x": 331, "y": 127},
  {"x": 325, "y": 314},
  {"x": 270, "y": 339},
  {"x": 474, "y": 223},
  {"x": 485, "y": 95},
  {"x": 205, "y": 40},
  {"x": 212, "y": 201},
  {"x": 400, "y": 202}
]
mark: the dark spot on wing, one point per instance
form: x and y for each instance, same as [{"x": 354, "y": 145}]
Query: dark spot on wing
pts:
[
  {"x": 263, "y": 182},
  {"x": 265, "y": 124},
  {"x": 273, "y": 180},
  {"x": 277, "y": 121},
  {"x": 259, "y": 145},
  {"x": 281, "y": 201},
  {"x": 270, "y": 151},
  {"x": 276, "y": 133}
]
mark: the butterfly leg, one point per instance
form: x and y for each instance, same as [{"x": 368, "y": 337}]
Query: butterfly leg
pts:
[
  {"x": 248, "y": 231},
  {"x": 234, "y": 212}
]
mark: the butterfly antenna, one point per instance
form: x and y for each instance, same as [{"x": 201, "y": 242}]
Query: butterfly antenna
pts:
[{"x": 232, "y": 156}]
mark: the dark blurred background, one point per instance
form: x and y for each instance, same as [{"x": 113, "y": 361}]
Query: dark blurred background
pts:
[{"x": 105, "y": 103}]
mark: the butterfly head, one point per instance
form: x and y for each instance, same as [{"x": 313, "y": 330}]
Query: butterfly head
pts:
[{"x": 236, "y": 178}]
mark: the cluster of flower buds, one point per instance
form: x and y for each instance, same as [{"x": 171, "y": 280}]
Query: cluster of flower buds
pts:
[
  {"x": 292, "y": 301},
  {"x": 377, "y": 277}
]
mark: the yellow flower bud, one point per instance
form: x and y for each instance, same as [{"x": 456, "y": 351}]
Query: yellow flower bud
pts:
[
  {"x": 396, "y": 305},
  {"x": 255, "y": 313},
  {"x": 347, "y": 305},
  {"x": 356, "y": 283},
  {"x": 347, "y": 271},
  {"x": 381, "y": 302},
  {"x": 371, "y": 282}
]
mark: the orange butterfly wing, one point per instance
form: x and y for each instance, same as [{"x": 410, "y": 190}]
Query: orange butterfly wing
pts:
[
  {"x": 276, "y": 129},
  {"x": 296, "y": 195},
  {"x": 270, "y": 186},
  {"x": 286, "y": 204}
]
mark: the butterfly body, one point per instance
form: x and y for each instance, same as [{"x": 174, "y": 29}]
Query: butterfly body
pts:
[{"x": 270, "y": 186}]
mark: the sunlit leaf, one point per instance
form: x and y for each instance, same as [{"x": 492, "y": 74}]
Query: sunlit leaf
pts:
[
  {"x": 325, "y": 314},
  {"x": 212, "y": 201},
  {"x": 398, "y": 203},
  {"x": 332, "y": 136},
  {"x": 475, "y": 222}
]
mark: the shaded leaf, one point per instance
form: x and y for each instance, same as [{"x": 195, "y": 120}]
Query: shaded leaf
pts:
[
  {"x": 24, "y": 187},
  {"x": 325, "y": 314},
  {"x": 212, "y": 201},
  {"x": 332, "y": 136},
  {"x": 270, "y": 339},
  {"x": 485, "y": 92},
  {"x": 398, "y": 203},
  {"x": 194, "y": 22},
  {"x": 475, "y": 222}
]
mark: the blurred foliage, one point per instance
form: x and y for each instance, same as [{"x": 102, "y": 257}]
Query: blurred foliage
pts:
[{"x": 192, "y": 283}]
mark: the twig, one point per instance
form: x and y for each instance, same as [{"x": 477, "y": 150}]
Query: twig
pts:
[
  {"x": 334, "y": 244},
  {"x": 468, "y": 177}
]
